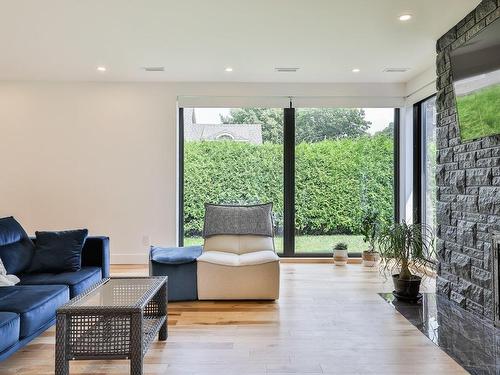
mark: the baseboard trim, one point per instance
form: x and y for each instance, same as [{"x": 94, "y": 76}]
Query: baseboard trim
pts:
[
  {"x": 142, "y": 259},
  {"x": 318, "y": 260},
  {"x": 129, "y": 259}
]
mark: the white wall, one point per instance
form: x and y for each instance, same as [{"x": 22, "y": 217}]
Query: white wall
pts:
[
  {"x": 422, "y": 86},
  {"x": 103, "y": 155},
  {"x": 100, "y": 156}
]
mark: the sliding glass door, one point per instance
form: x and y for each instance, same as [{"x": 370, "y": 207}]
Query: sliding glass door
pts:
[
  {"x": 344, "y": 169},
  {"x": 323, "y": 169},
  {"x": 429, "y": 162},
  {"x": 231, "y": 156},
  {"x": 424, "y": 164}
]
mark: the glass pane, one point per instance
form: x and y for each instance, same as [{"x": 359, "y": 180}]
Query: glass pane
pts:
[
  {"x": 232, "y": 156},
  {"x": 118, "y": 292},
  {"x": 344, "y": 169},
  {"x": 429, "y": 163}
]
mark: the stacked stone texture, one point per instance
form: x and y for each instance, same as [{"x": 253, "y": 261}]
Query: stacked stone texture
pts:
[{"x": 468, "y": 180}]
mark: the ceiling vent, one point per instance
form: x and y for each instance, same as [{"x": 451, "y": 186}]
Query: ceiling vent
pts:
[
  {"x": 286, "y": 70},
  {"x": 396, "y": 70},
  {"x": 154, "y": 68}
]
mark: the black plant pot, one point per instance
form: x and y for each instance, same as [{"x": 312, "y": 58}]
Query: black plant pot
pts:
[{"x": 407, "y": 289}]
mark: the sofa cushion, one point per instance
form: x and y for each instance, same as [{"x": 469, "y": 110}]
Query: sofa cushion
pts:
[
  {"x": 229, "y": 219},
  {"x": 77, "y": 282},
  {"x": 9, "y": 329},
  {"x": 16, "y": 248},
  {"x": 238, "y": 244},
  {"x": 258, "y": 257},
  {"x": 235, "y": 260},
  {"x": 58, "y": 251},
  {"x": 175, "y": 255},
  {"x": 35, "y": 304}
]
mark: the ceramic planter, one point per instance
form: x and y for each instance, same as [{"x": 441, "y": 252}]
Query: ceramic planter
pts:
[
  {"x": 370, "y": 258},
  {"x": 406, "y": 289},
  {"x": 340, "y": 257}
]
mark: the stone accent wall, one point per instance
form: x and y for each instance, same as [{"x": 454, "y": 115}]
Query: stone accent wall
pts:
[{"x": 468, "y": 180}]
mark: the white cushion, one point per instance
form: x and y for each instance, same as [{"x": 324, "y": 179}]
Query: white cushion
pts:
[
  {"x": 260, "y": 281},
  {"x": 7, "y": 280},
  {"x": 219, "y": 257},
  {"x": 258, "y": 257},
  {"x": 3, "y": 271},
  {"x": 238, "y": 244},
  {"x": 235, "y": 260}
]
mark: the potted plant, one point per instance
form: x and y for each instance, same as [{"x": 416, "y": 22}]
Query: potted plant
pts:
[
  {"x": 369, "y": 230},
  {"x": 340, "y": 254},
  {"x": 404, "y": 248}
]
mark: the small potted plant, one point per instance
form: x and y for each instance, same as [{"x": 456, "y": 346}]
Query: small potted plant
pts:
[
  {"x": 340, "y": 254},
  {"x": 369, "y": 230},
  {"x": 404, "y": 250}
]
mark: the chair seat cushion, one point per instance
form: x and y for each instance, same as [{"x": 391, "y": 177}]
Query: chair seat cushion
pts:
[
  {"x": 236, "y": 260},
  {"x": 35, "y": 304},
  {"x": 77, "y": 282},
  {"x": 9, "y": 329},
  {"x": 175, "y": 255},
  {"x": 258, "y": 257}
]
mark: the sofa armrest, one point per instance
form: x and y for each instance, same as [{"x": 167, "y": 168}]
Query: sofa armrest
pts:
[{"x": 96, "y": 253}]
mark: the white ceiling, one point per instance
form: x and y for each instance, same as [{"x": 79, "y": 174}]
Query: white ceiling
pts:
[{"x": 196, "y": 39}]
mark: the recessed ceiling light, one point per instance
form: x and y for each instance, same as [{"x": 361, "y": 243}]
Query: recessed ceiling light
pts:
[
  {"x": 405, "y": 17},
  {"x": 154, "y": 68},
  {"x": 286, "y": 69},
  {"x": 228, "y": 69},
  {"x": 396, "y": 70},
  {"x": 356, "y": 70},
  {"x": 101, "y": 68}
]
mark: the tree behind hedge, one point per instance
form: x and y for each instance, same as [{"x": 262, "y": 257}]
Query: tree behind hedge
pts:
[
  {"x": 335, "y": 181},
  {"x": 312, "y": 124}
]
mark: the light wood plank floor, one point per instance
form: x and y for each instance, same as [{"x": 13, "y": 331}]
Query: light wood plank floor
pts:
[{"x": 328, "y": 321}]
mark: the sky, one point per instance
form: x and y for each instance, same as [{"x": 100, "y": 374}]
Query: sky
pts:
[{"x": 379, "y": 117}]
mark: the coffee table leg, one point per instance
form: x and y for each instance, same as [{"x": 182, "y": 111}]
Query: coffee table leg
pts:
[
  {"x": 61, "y": 362},
  {"x": 163, "y": 334},
  {"x": 136, "y": 358}
]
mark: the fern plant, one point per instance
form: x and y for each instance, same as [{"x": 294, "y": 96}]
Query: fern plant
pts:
[{"x": 340, "y": 246}]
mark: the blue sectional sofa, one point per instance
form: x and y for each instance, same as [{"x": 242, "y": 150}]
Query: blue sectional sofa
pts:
[{"x": 29, "y": 308}]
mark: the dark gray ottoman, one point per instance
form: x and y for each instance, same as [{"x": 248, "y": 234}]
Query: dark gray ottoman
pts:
[{"x": 179, "y": 264}]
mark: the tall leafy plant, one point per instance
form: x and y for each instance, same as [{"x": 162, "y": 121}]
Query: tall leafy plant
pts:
[
  {"x": 369, "y": 227},
  {"x": 405, "y": 248}
]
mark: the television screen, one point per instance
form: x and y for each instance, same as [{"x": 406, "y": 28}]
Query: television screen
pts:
[{"x": 476, "y": 80}]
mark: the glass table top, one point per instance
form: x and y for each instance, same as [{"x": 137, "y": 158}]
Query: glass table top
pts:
[{"x": 119, "y": 292}]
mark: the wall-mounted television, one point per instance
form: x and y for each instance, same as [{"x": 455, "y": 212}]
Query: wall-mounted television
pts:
[{"x": 476, "y": 79}]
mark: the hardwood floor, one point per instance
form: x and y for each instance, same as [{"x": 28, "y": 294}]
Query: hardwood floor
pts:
[{"x": 329, "y": 320}]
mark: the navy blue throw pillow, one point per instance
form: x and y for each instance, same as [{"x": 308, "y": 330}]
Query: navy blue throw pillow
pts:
[
  {"x": 58, "y": 251},
  {"x": 16, "y": 248}
]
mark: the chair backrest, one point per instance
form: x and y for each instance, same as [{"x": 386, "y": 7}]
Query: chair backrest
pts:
[
  {"x": 238, "y": 229},
  {"x": 238, "y": 243}
]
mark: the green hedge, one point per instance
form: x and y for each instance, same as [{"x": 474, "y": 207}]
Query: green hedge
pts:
[{"x": 335, "y": 181}]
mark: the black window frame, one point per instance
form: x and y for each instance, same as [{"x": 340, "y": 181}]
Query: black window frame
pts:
[
  {"x": 289, "y": 182},
  {"x": 418, "y": 159},
  {"x": 419, "y": 143}
]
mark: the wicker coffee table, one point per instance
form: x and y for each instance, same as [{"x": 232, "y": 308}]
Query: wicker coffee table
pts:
[{"x": 118, "y": 318}]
